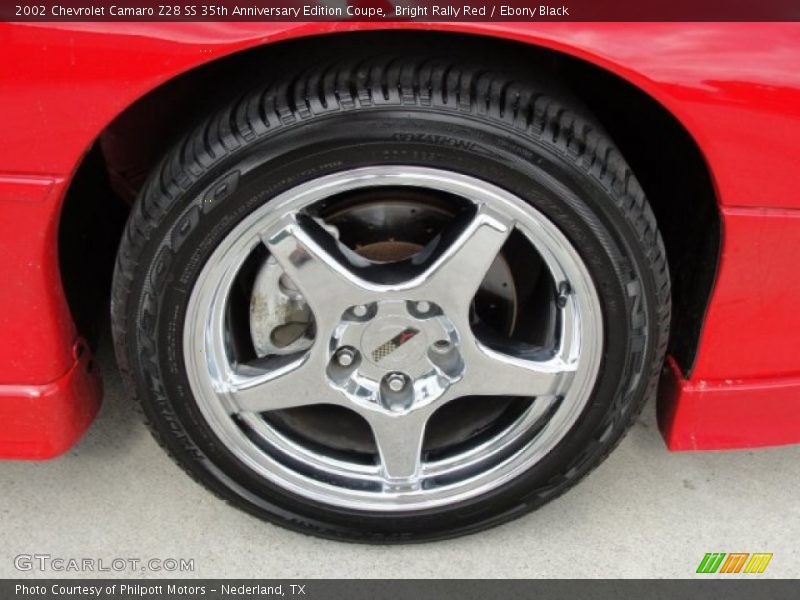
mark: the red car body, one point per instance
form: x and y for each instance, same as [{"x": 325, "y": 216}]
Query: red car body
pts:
[{"x": 735, "y": 87}]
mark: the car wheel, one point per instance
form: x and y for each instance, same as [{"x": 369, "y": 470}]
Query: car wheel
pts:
[{"x": 392, "y": 300}]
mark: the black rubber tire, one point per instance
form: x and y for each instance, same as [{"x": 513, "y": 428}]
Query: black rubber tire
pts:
[{"x": 476, "y": 119}]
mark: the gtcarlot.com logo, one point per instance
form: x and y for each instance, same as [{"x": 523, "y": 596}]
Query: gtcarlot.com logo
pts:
[
  {"x": 734, "y": 562},
  {"x": 60, "y": 564}
]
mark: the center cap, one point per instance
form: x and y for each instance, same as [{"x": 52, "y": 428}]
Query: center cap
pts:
[
  {"x": 394, "y": 343},
  {"x": 395, "y": 353}
]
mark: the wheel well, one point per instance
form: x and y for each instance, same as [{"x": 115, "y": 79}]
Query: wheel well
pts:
[{"x": 664, "y": 157}]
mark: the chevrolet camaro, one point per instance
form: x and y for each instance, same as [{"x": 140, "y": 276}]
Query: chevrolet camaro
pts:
[{"x": 400, "y": 281}]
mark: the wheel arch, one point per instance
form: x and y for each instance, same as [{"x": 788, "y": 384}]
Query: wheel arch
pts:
[{"x": 662, "y": 152}]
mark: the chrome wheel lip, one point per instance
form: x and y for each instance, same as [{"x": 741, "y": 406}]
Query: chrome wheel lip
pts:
[{"x": 204, "y": 355}]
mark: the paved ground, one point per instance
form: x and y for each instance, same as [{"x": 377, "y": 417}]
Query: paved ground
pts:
[{"x": 643, "y": 513}]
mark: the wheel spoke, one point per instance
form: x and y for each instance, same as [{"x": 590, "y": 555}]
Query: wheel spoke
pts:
[
  {"x": 534, "y": 416},
  {"x": 457, "y": 273},
  {"x": 297, "y": 383},
  {"x": 310, "y": 258},
  {"x": 491, "y": 373},
  {"x": 399, "y": 440}
]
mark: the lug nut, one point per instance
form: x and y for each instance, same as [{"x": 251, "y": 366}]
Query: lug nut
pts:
[
  {"x": 444, "y": 354},
  {"x": 423, "y": 307},
  {"x": 360, "y": 310},
  {"x": 442, "y": 346},
  {"x": 345, "y": 357},
  {"x": 396, "y": 382}
]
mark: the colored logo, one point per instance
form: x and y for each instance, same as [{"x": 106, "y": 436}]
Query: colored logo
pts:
[
  {"x": 393, "y": 344},
  {"x": 734, "y": 562}
]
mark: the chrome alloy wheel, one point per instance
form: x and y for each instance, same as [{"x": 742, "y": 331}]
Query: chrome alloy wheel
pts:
[{"x": 393, "y": 345}]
